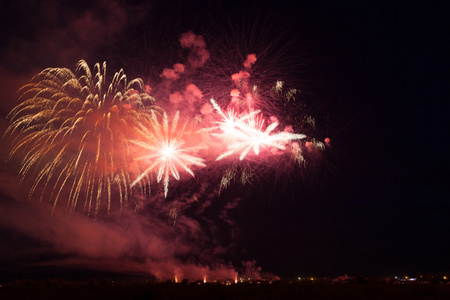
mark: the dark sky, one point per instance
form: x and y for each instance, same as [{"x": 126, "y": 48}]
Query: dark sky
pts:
[{"x": 375, "y": 76}]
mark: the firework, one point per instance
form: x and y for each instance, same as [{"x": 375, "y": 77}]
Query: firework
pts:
[
  {"x": 165, "y": 150},
  {"x": 246, "y": 176},
  {"x": 74, "y": 131},
  {"x": 245, "y": 132},
  {"x": 84, "y": 137}
]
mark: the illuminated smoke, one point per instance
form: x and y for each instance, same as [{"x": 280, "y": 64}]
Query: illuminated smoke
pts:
[
  {"x": 251, "y": 59},
  {"x": 173, "y": 73},
  {"x": 199, "y": 54}
]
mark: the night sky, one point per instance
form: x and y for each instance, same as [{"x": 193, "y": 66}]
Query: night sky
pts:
[{"x": 374, "y": 76}]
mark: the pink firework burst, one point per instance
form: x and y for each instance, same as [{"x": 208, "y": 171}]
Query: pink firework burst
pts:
[
  {"x": 165, "y": 150},
  {"x": 245, "y": 132}
]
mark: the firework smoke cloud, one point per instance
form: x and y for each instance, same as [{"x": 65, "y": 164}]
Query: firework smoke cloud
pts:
[{"x": 108, "y": 146}]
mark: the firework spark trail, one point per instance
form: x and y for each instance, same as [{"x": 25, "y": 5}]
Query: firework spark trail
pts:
[
  {"x": 244, "y": 132},
  {"x": 76, "y": 124},
  {"x": 166, "y": 150}
]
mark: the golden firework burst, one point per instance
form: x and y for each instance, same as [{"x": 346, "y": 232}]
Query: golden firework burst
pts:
[{"x": 73, "y": 130}]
